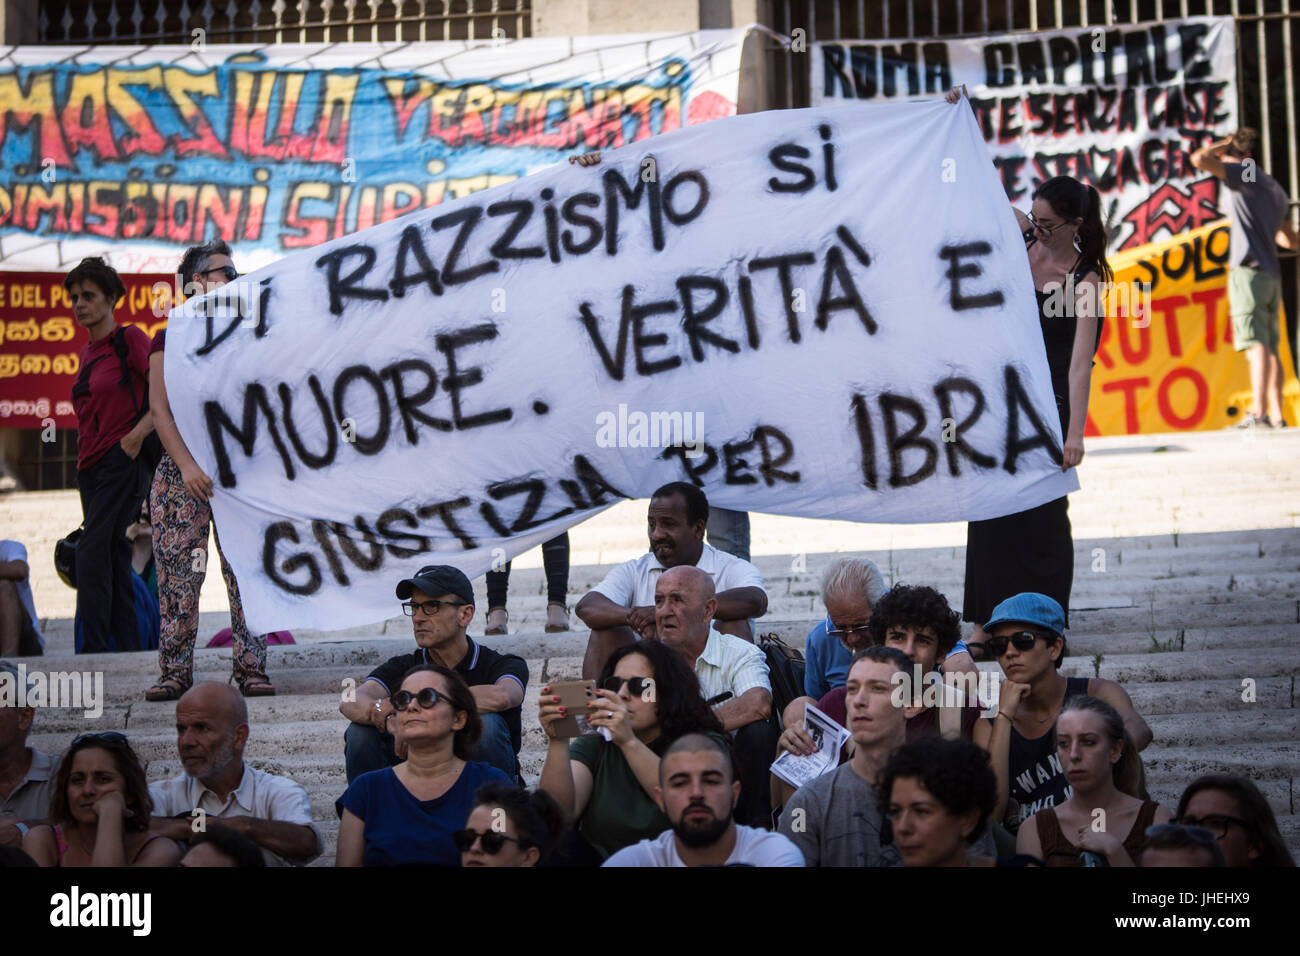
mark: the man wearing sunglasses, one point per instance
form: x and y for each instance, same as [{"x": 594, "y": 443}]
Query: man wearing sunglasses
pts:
[
  {"x": 1026, "y": 637},
  {"x": 440, "y": 603}
]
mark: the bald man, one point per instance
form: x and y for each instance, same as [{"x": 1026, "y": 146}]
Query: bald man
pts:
[
  {"x": 733, "y": 675},
  {"x": 270, "y": 810}
]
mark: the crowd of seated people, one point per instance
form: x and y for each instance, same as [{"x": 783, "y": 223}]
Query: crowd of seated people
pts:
[{"x": 673, "y": 769}]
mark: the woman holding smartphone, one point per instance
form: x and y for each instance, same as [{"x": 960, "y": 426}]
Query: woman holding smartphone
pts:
[
  {"x": 648, "y": 698},
  {"x": 407, "y": 815}
]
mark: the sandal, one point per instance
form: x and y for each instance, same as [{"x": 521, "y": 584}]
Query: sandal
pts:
[
  {"x": 496, "y": 621},
  {"x": 557, "y": 617},
  {"x": 256, "y": 686},
  {"x": 164, "y": 690}
]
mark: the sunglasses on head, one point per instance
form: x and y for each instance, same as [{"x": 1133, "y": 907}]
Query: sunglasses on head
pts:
[
  {"x": 1022, "y": 640},
  {"x": 105, "y": 737},
  {"x": 636, "y": 686},
  {"x": 491, "y": 840},
  {"x": 427, "y": 698}
]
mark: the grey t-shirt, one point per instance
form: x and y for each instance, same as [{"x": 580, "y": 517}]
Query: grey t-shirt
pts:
[
  {"x": 1256, "y": 212},
  {"x": 834, "y": 821}
]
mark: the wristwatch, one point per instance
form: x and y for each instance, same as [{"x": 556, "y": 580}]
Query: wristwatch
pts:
[{"x": 22, "y": 828}]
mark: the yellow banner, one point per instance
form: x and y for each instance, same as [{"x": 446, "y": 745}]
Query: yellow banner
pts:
[{"x": 1174, "y": 368}]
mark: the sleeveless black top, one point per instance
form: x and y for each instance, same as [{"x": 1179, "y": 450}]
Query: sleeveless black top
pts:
[
  {"x": 1038, "y": 780},
  {"x": 1058, "y": 339}
]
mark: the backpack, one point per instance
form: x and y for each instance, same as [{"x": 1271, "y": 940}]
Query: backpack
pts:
[
  {"x": 785, "y": 666},
  {"x": 151, "y": 450}
]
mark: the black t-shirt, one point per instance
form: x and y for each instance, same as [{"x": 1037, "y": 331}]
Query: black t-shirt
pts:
[{"x": 480, "y": 665}]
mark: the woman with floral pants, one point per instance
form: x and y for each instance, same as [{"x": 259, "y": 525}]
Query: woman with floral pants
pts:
[{"x": 180, "y": 513}]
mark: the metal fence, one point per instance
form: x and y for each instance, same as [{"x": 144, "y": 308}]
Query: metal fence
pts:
[{"x": 281, "y": 21}]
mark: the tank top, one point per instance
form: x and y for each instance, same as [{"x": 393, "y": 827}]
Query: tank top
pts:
[
  {"x": 1038, "y": 780},
  {"x": 1058, "y": 851},
  {"x": 1058, "y": 340},
  {"x": 61, "y": 845}
]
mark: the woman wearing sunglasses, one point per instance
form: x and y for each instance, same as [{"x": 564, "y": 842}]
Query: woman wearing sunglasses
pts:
[
  {"x": 179, "y": 504},
  {"x": 99, "y": 810},
  {"x": 509, "y": 827},
  {"x": 1109, "y": 812},
  {"x": 405, "y": 815},
  {"x": 1065, "y": 243},
  {"x": 1239, "y": 816},
  {"x": 648, "y": 698}
]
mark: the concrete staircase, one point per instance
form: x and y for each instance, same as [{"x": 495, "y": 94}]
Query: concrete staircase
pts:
[{"x": 1187, "y": 574}]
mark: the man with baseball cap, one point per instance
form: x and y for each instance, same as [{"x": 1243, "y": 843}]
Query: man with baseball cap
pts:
[
  {"x": 1026, "y": 639},
  {"x": 440, "y": 603}
]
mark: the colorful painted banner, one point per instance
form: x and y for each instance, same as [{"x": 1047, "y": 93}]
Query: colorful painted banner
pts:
[
  {"x": 136, "y": 153},
  {"x": 40, "y": 342},
  {"x": 1172, "y": 367},
  {"x": 1118, "y": 107},
  {"x": 791, "y": 309}
]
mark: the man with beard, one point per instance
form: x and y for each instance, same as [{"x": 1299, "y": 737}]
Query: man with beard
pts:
[
  {"x": 698, "y": 791},
  {"x": 621, "y": 608},
  {"x": 272, "y": 811}
]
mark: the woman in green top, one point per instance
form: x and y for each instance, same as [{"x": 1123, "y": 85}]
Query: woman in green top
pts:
[{"x": 648, "y": 698}]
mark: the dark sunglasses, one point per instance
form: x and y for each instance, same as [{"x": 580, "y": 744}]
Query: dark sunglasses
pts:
[
  {"x": 427, "y": 699},
  {"x": 978, "y": 651},
  {"x": 1023, "y": 641},
  {"x": 230, "y": 272},
  {"x": 636, "y": 686},
  {"x": 1215, "y": 823},
  {"x": 428, "y": 607},
  {"x": 491, "y": 840},
  {"x": 106, "y": 737}
]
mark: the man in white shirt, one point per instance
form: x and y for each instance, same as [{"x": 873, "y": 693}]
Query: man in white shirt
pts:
[
  {"x": 272, "y": 811},
  {"x": 732, "y": 672},
  {"x": 20, "y": 633},
  {"x": 698, "y": 792},
  {"x": 620, "y": 609}
]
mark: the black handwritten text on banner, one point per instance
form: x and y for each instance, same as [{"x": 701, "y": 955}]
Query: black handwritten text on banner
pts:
[{"x": 808, "y": 289}]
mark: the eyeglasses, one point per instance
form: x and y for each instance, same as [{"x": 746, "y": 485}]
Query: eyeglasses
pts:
[
  {"x": 1023, "y": 641},
  {"x": 1215, "y": 823},
  {"x": 427, "y": 698},
  {"x": 636, "y": 686},
  {"x": 104, "y": 737},
  {"x": 1045, "y": 229},
  {"x": 1182, "y": 833},
  {"x": 978, "y": 651},
  {"x": 428, "y": 607},
  {"x": 861, "y": 630},
  {"x": 492, "y": 841},
  {"x": 230, "y": 272}
]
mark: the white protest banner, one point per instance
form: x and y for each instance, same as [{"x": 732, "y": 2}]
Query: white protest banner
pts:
[
  {"x": 835, "y": 302},
  {"x": 1119, "y": 107}
]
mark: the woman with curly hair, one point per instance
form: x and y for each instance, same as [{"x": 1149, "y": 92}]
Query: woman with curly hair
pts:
[
  {"x": 936, "y": 796},
  {"x": 648, "y": 697},
  {"x": 99, "y": 810}
]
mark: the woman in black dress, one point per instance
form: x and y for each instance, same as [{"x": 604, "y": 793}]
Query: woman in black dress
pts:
[{"x": 1034, "y": 550}]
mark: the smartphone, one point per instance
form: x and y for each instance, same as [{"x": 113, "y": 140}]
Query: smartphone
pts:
[{"x": 574, "y": 695}]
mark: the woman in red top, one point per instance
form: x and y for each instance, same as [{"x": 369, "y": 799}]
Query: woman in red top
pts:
[{"x": 110, "y": 476}]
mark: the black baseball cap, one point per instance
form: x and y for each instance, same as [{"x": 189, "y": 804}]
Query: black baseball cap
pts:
[{"x": 436, "y": 580}]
